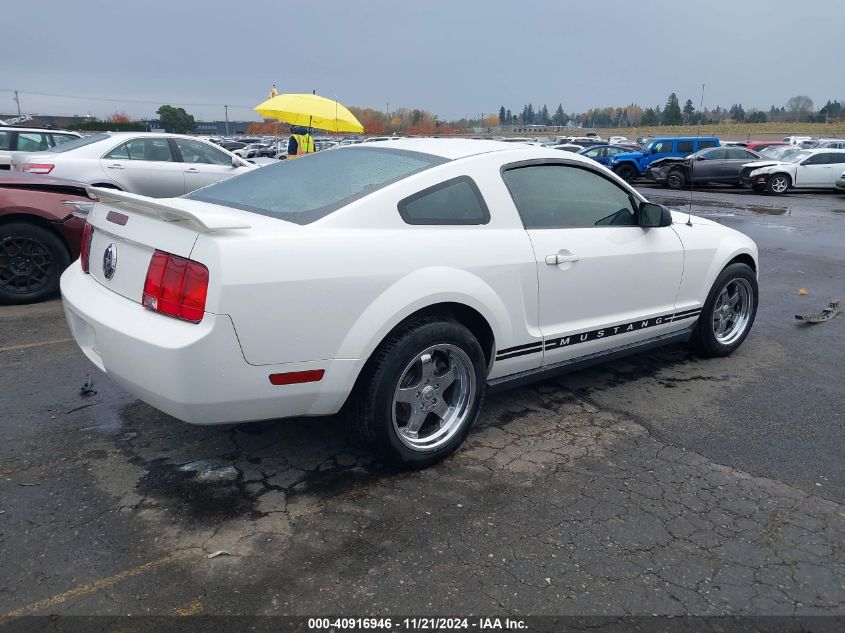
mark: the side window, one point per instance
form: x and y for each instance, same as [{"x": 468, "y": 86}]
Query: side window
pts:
[
  {"x": 5, "y": 139},
  {"x": 662, "y": 147},
  {"x": 836, "y": 159},
  {"x": 593, "y": 153},
  {"x": 816, "y": 159},
  {"x": 150, "y": 149},
  {"x": 685, "y": 147},
  {"x": 196, "y": 152},
  {"x": 740, "y": 154},
  {"x": 705, "y": 144},
  {"x": 559, "y": 196},
  {"x": 456, "y": 201},
  {"x": 33, "y": 142},
  {"x": 718, "y": 154},
  {"x": 58, "y": 139}
]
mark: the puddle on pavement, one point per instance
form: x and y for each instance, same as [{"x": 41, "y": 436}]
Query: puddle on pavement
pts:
[
  {"x": 225, "y": 484},
  {"x": 683, "y": 203}
]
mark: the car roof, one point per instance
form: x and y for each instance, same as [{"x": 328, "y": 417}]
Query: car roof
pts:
[
  {"x": 20, "y": 128},
  {"x": 450, "y": 148}
]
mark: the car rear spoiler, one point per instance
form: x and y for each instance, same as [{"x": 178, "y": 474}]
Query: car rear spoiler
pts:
[{"x": 210, "y": 218}]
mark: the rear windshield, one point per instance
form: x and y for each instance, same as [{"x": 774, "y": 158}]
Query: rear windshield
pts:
[
  {"x": 78, "y": 142},
  {"x": 306, "y": 189}
]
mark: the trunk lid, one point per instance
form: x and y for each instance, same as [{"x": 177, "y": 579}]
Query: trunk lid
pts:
[{"x": 129, "y": 228}]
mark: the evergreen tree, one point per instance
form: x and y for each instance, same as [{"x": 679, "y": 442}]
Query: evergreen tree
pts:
[
  {"x": 545, "y": 119},
  {"x": 689, "y": 111},
  {"x": 509, "y": 118},
  {"x": 502, "y": 114},
  {"x": 672, "y": 111},
  {"x": 559, "y": 118},
  {"x": 649, "y": 117},
  {"x": 530, "y": 115}
]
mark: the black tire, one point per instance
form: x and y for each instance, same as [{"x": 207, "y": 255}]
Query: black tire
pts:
[
  {"x": 675, "y": 179},
  {"x": 778, "y": 184},
  {"x": 704, "y": 340},
  {"x": 32, "y": 259},
  {"x": 373, "y": 406},
  {"x": 758, "y": 188},
  {"x": 625, "y": 171}
]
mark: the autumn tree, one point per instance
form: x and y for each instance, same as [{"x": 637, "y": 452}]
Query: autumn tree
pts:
[{"x": 118, "y": 117}]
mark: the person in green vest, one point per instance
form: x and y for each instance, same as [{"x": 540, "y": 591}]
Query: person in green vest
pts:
[{"x": 300, "y": 142}]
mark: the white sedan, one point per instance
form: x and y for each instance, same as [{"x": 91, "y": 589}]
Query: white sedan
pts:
[
  {"x": 807, "y": 169},
  {"x": 403, "y": 279},
  {"x": 155, "y": 165}
]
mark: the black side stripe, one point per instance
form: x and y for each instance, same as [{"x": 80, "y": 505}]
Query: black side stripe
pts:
[
  {"x": 593, "y": 335},
  {"x": 511, "y": 353}
]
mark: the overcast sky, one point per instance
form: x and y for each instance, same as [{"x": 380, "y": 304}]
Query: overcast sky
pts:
[{"x": 451, "y": 57}]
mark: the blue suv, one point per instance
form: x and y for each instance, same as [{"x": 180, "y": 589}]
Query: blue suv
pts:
[{"x": 631, "y": 165}]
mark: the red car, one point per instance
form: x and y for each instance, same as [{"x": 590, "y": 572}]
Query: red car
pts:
[
  {"x": 758, "y": 145},
  {"x": 39, "y": 235}
]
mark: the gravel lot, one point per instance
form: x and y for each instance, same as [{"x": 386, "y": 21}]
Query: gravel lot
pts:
[{"x": 662, "y": 483}]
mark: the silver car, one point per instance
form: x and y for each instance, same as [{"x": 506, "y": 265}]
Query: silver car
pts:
[{"x": 150, "y": 164}]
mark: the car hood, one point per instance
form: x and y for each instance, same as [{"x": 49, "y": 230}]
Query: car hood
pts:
[
  {"x": 628, "y": 156},
  {"x": 760, "y": 164},
  {"x": 669, "y": 159}
]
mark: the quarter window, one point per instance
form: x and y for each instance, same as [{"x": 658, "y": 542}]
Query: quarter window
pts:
[
  {"x": 58, "y": 139},
  {"x": 836, "y": 159},
  {"x": 150, "y": 149},
  {"x": 456, "y": 201},
  {"x": 561, "y": 196}
]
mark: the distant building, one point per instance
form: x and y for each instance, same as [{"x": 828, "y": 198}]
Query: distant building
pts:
[
  {"x": 218, "y": 128},
  {"x": 45, "y": 121}
]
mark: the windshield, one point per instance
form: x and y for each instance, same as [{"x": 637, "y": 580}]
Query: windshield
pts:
[
  {"x": 78, "y": 142},
  {"x": 797, "y": 156},
  {"x": 306, "y": 189}
]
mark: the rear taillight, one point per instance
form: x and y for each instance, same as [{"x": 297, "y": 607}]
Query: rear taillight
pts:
[
  {"x": 176, "y": 286},
  {"x": 85, "y": 250},
  {"x": 37, "y": 168}
]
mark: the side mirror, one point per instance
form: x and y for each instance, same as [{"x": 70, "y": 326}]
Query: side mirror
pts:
[
  {"x": 654, "y": 215},
  {"x": 700, "y": 157}
]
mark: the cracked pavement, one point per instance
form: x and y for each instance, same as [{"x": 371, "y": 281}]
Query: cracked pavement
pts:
[{"x": 661, "y": 484}]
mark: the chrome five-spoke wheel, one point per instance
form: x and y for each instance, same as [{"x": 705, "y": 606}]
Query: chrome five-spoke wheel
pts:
[
  {"x": 433, "y": 398},
  {"x": 732, "y": 311}
]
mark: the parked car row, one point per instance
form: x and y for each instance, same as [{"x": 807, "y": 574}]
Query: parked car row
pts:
[{"x": 29, "y": 139}]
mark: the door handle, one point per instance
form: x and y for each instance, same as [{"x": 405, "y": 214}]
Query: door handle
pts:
[
  {"x": 192, "y": 170},
  {"x": 557, "y": 258},
  {"x": 115, "y": 166}
]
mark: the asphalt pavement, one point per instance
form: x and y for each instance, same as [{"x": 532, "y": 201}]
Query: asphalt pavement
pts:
[{"x": 662, "y": 483}]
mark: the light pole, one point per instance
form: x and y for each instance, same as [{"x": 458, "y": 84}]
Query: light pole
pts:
[
  {"x": 18, "y": 101},
  {"x": 226, "y": 114}
]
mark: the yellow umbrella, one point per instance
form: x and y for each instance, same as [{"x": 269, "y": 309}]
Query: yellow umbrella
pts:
[{"x": 310, "y": 111}]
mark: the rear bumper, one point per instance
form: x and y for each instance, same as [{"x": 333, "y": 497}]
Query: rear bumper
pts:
[{"x": 194, "y": 372}]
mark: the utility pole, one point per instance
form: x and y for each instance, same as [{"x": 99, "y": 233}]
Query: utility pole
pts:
[
  {"x": 18, "y": 101},
  {"x": 226, "y": 111}
]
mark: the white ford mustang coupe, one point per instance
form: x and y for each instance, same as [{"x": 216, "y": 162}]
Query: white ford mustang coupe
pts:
[{"x": 397, "y": 280}]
